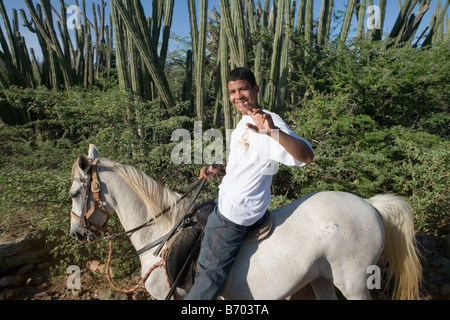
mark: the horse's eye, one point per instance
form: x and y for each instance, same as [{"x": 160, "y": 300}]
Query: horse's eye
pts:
[{"x": 74, "y": 193}]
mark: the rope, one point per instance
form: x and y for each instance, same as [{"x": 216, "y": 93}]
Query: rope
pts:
[{"x": 108, "y": 272}]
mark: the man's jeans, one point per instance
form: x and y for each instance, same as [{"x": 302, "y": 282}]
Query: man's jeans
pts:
[{"x": 220, "y": 245}]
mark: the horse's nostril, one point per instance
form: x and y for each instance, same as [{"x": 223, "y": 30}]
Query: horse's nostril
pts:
[
  {"x": 92, "y": 236},
  {"x": 77, "y": 235}
]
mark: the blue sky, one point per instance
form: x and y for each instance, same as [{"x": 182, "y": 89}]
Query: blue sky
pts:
[{"x": 181, "y": 26}]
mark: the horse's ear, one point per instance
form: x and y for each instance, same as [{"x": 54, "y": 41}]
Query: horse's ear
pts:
[
  {"x": 84, "y": 164},
  {"x": 93, "y": 152}
]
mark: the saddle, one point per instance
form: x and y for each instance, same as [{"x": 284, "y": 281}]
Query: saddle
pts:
[{"x": 184, "y": 245}]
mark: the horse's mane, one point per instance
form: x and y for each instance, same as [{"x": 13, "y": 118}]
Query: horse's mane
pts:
[{"x": 154, "y": 195}]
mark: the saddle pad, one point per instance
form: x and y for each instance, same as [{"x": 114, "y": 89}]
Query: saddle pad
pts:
[{"x": 178, "y": 251}]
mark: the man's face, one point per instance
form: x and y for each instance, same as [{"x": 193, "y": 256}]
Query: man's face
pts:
[{"x": 243, "y": 96}]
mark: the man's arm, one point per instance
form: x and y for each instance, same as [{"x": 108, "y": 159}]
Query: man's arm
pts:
[
  {"x": 264, "y": 124},
  {"x": 295, "y": 147}
]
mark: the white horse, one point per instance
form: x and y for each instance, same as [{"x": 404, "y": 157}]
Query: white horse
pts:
[{"x": 324, "y": 238}]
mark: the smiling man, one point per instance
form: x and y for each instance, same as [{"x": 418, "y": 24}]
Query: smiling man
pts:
[{"x": 260, "y": 141}]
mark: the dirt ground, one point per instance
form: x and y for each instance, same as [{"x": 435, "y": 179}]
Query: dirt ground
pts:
[{"x": 33, "y": 281}]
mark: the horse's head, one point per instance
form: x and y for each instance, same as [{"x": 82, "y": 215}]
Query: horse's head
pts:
[{"x": 89, "y": 217}]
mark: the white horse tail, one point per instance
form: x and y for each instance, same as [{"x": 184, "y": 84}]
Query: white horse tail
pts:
[{"x": 400, "y": 247}]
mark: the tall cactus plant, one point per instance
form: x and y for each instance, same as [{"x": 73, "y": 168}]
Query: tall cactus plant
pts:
[
  {"x": 377, "y": 35},
  {"x": 437, "y": 24},
  {"x": 347, "y": 21},
  {"x": 309, "y": 24},
  {"x": 301, "y": 16},
  {"x": 271, "y": 94},
  {"x": 284, "y": 59},
  {"x": 64, "y": 65},
  {"x": 136, "y": 25},
  {"x": 121, "y": 58},
  {"x": 223, "y": 57},
  {"x": 199, "y": 48},
  {"x": 15, "y": 67},
  {"x": 324, "y": 22},
  {"x": 402, "y": 18},
  {"x": 14, "y": 60},
  {"x": 361, "y": 13},
  {"x": 415, "y": 20},
  {"x": 241, "y": 30},
  {"x": 187, "y": 84},
  {"x": 45, "y": 27}
]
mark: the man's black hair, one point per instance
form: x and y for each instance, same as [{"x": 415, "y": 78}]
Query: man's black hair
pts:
[{"x": 241, "y": 73}]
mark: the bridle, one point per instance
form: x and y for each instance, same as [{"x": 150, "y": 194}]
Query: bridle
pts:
[{"x": 93, "y": 187}]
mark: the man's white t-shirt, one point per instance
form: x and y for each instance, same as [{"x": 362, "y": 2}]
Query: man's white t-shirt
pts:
[{"x": 244, "y": 194}]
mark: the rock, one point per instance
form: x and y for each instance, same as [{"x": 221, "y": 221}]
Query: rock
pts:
[
  {"x": 445, "y": 289},
  {"x": 13, "y": 281},
  {"x": 9, "y": 294},
  {"x": 23, "y": 250},
  {"x": 42, "y": 286},
  {"x": 38, "y": 281},
  {"x": 137, "y": 296},
  {"x": 44, "y": 265},
  {"x": 447, "y": 244},
  {"x": 76, "y": 293},
  {"x": 108, "y": 294},
  {"x": 101, "y": 294},
  {"x": 445, "y": 268},
  {"x": 96, "y": 266},
  {"x": 119, "y": 296},
  {"x": 62, "y": 296},
  {"x": 54, "y": 295},
  {"x": 41, "y": 296},
  {"x": 29, "y": 281},
  {"x": 25, "y": 269},
  {"x": 5, "y": 281}
]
